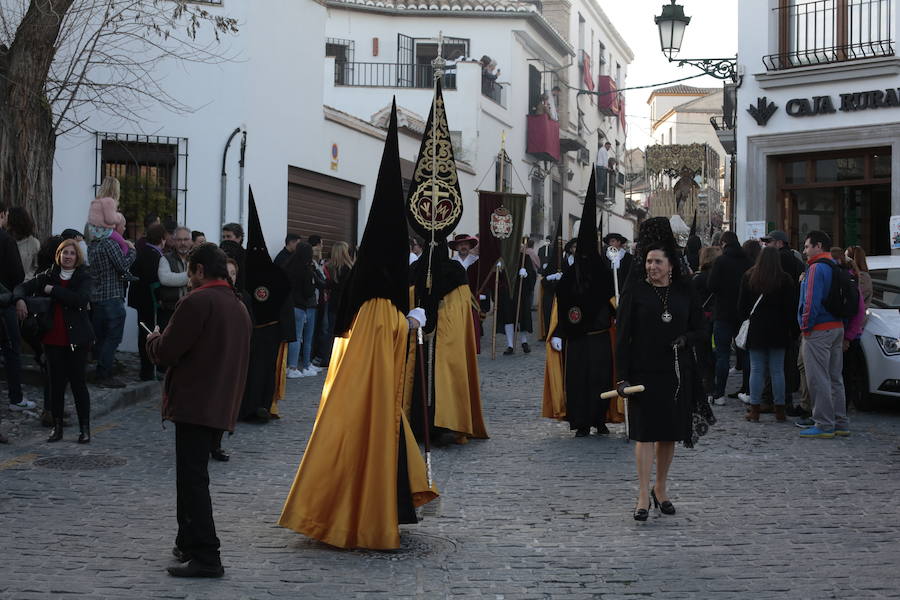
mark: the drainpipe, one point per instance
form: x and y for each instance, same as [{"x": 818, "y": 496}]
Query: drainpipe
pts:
[
  {"x": 241, "y": 176},
  {"x": 223, "y": 198}
]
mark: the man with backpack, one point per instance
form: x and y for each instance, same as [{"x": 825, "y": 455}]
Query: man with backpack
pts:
[{"x": 826, "y": 298}]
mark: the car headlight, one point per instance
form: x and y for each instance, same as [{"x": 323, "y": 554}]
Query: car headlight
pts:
[{"x": 889, "y": 345}]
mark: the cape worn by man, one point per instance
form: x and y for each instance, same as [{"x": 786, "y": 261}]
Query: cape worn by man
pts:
[
  {"x": 362, "y": 474},
  {"x": 582, "y": 329},
  {"x": 454, "y": 407},
  {"x": 269, "y": 289}
]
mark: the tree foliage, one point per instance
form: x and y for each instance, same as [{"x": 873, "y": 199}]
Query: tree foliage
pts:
[{"x": 62, "y": 61}]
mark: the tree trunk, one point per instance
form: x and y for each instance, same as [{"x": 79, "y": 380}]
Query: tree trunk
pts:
[{"x": 27, "y": 138}]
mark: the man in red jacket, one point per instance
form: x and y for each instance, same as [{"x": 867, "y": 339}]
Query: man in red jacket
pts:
[{"x": 206, "y": 348}]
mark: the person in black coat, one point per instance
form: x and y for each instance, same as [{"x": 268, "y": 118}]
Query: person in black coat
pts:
[
  {"x": 142, "y": 293},
  {"x": 725, "y": 282},
  {"x": 11, "y": 274},
  {"x": 68, "y": 283},
  {"x": 773, "y": 327},
  {"x": 659, "y": 323}
]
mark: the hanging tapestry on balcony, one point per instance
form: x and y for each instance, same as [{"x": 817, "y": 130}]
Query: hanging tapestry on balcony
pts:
[{"x": 435, "y": 202}]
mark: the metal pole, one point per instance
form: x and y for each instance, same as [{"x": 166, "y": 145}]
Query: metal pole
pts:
[
  {"x": 241, "y": 177},
  {"x": 494, "y": 320},
  {"x": 224, "y": 181}
]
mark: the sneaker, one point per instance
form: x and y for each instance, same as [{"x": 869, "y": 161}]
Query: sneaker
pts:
[
  {"x": 22, "y": 404},
  {"x": 745, "y": 398},
  {"x": 796, "y": 411},
  {"x": 293, "y": 373},
  {"x": 842, "y": 431},
  {"x": 720, "y": 401},
  {"x": 316, "y": 370},
  {"x": 816, "y": 432},
  {"x": 804, "y": 423},
  {"x": 109, "y": 382},
  {"x": 309, "y": 371}
]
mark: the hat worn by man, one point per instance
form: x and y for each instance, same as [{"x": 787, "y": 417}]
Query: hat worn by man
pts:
[
  {"x": 615, "y": 236},
  {"x": 463, "y": 238},
  {"x": 778, "y": 236}
]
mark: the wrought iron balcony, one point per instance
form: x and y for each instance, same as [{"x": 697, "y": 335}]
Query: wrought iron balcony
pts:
[
  {"x": 368, "y": 74},
  {"x": 491, "y": 89},
  {"x": 543, "y": 138},
  {"x": 831, "y": 31}
]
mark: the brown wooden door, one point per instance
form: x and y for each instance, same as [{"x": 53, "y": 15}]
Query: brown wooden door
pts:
[{"x": 322, "y": 205}]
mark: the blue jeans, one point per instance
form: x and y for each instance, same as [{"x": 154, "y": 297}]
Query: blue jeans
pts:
[
  {"x": 723, "y": 333},
  {"x": 771, "y": 360},
  {"x": 305, "y": 319},
  {"x": 108, "y": 319},
  {"x": 12, "y": 354}
]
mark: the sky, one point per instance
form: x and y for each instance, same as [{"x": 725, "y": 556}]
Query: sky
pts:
[{"x": 712, "y": 33}]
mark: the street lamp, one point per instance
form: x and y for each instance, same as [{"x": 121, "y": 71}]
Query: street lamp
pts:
[{"x": 672, "y": 23}]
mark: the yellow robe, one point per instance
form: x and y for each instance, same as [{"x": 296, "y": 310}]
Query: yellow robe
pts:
[
  {"x": 456, "y": 379},
  {"x": 345, "y": 491},
  {"x": 554, "y": 402}
]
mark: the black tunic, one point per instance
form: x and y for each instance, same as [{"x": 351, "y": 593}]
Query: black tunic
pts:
[{"x": 645, "y": 356}]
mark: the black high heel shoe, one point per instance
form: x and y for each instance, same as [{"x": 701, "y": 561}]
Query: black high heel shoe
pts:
[
  {"x": 666, "y": 508},
  {"x": 641, "y": 514},
  {"x": 57, "y": 431}
]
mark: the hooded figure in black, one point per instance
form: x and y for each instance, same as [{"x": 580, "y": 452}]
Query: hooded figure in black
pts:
[
  {"x": 584, "y": 316},
  {"x": 551, "y": 274},
  {"x": 269, "y": 290},
  {"x": 362, "y": 473}
]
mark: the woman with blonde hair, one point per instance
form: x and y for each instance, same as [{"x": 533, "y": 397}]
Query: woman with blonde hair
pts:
[
  {"x": 337, "y": 270},
  {"x": 68, "y": 284}
]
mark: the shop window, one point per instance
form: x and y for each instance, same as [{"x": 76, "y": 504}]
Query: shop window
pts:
[
  {"x": 882, "y": 165},
  {"x": 840, "y": 169},
  {"x": 152, "y": 173},
  {"x": 795, "y": 172}
]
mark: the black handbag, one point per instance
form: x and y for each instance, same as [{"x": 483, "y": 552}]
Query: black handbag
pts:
[{"x": 39, "y": 320}]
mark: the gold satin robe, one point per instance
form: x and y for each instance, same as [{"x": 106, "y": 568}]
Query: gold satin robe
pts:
[
  {"x": 456, "y": 379},
  {"x": 345, "y": 491}
]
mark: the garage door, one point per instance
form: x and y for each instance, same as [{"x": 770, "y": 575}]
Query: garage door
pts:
[{"x": 322, "y": 205}]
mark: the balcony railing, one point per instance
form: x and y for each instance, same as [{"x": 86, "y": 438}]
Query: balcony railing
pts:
[
  {"x": 367, "y": 74},
  {"x": 830, "y": 31},
  {"x": 491, "y": 89}
]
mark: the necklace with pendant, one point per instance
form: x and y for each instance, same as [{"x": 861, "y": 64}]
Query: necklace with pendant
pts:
[{"x": 664, "y": 299}]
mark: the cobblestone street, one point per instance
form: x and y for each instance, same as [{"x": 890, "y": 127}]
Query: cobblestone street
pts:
[{"x": 530, "y": 513}]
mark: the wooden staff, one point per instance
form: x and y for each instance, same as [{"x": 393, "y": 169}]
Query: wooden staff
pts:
[
  {"x": 426, "y": 425},
  {"x": 497, "y": 268},
  {"x": 519, "y": 292},
  {"x": 634, "y": 389}
]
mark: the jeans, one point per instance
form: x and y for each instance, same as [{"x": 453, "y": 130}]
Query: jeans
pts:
[
  {"x": 305, "y": 319},
  {"x": 771, "y": 359},
  {"x": 108, "y": 319},
  {"x": 196, "y": 528},
  {"x": 723, "y": 333},
  {"x": 12, "y": 354}
]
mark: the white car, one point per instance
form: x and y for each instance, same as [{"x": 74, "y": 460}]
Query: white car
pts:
[{"x": 881, "y": 336}]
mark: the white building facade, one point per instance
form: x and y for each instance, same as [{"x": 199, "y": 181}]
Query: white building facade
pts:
[{"x": 818, "y": 129}]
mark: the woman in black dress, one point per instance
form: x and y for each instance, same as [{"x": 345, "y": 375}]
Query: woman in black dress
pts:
[{"x": 659, "y": 321}]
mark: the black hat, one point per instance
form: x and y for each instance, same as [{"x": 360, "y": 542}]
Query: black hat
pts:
[
  {"x": 382, "y": 261},
  {"x": 615, "y": 236},
  {"x": 267, "y": 283},
  {"x": 462, "y": 238},
  {"x": 69, "y": 234},
  {"x": 569, "y": 244},
  {"x": 587, "y": 231}
]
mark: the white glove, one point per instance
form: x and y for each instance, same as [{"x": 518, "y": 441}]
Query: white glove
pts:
[
  {"x": 554, "y": 277},
  {"x": 523, "y": 273},
  {"x": 417, "y": 315},
  {"x": 556, "y": 344},
  {"x": 499, "y": 264},
  {"x": 482, "y": 297}
]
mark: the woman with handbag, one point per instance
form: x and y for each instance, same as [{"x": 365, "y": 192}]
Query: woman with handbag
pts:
[
  {"x": 660, "y": 322},
  {"x": 68, "y": 333},
  {"x": 768, "y": 301}
]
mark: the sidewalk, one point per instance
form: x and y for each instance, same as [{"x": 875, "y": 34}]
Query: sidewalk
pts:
[{"x": 22, "y": 427}]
